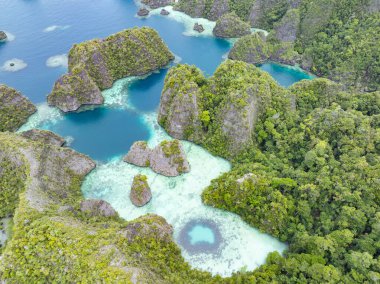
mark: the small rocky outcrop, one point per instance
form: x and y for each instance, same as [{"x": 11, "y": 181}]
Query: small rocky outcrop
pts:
[
  {"x": 143, "y": 12},
  {"x": 95, "y": 207},
  {"x": 15, "y": 109},
  {"x": 199, "y": 28},
  {"x": 140, "y": 192},
  {"x": 94, "y": 65},
  {"x": 251, "y": 49},
  {"x": 154, "y": 4},
  {"x": 167, "y": 159},
  {"x": 139, "y": 154},
  {"x": 231, "y": 26},
  {"x": 44, "y": 136},
  {"x": 164, "y": 12},
  {"x": 3, "y": 36}
]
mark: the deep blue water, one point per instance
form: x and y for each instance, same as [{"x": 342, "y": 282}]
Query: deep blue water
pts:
[{"x": 101, "y": 133}]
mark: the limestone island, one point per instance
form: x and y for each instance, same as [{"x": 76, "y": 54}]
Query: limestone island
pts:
[
  {"x": 94, "y": 65},
  {"x": 140, "y": 192},
  {"x": 168, "y": 158}
]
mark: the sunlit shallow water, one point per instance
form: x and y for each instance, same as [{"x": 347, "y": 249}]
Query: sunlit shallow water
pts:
[
  {"x": 210, "y": 239},
  {"x": 178, "y": 200}
]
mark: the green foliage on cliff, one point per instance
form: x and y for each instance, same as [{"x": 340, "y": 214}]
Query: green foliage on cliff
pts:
[
  {"x": 131, "y": 52},
  {"x": 307, "y": 173},
  {"x": 213, "y": 9},
  {"x": 231, "y": 26},
  {"x": 312, "y": 181},
  {"x": 13, "y": 175},
  {"x": 334, "y": 39},
  {"x": 15, "y": 109}
]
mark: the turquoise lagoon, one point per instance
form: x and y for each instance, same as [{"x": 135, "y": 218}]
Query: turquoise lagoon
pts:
[{"x": 210, "y": 239}]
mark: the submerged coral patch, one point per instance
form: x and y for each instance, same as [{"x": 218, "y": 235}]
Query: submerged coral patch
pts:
[
  {"x": 200, "y": 236},
  {"x": 13, "y": 65},
  {"x": 60, "y": 60},
  {"x": 55, "y": 27}
]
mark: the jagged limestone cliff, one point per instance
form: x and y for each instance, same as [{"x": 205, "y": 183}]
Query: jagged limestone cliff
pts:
[
  {"x": 94, "y": 65},
  {"x": 221, "y": 112}
]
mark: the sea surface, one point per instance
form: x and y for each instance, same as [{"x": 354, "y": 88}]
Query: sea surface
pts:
[{"x": 41, "y": 33}]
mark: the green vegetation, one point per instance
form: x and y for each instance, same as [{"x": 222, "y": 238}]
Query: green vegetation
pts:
[
  {"x": 334, "y": 39},
  {"x": 131, "y": 52},
  {"x": 212, "y": 9},
  {"x": 231, "y": 26},
  {"x": 306, "y": 172},
  {"x": 15, "y": 109}
]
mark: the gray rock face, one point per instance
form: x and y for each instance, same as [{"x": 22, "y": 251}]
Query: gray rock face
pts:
[
  {"x": 230, "y": 26},
  {"x": 194, "y": 9},
  {"x": 140, "y": 192},
  {"x": 44, "y": 136},
  {"x": 180, "y": 112},
  {"x": 199, "y": 28},
  {"x": 154, "y": 4},
  {"x": 74, "y": 90},
  {"x": 15, "y": 109},
  {"x": 94, "y": 207},
  {"x": 237, "y": 123},
  {"x": 164, "y": 12},
  {"x": 139, "y": 154},
  {"x": 218, "y": 9},
  {"x": 3, "y": 35},
  {"x": 167, "y": 159},
  {"x": 286, "y": 30},
  {"x": 143, "y": 12}
]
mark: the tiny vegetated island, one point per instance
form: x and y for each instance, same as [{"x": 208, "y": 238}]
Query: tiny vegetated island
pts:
[{"x": 305, "y": 160}]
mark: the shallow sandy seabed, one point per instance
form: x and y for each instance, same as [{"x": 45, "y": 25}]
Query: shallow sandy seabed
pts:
[
  {"x": 178, "y": 200},
  {"x": 18, "y": 64},
  {"x": 55, "y": 27},
  {"x": 60, "y": 60}
]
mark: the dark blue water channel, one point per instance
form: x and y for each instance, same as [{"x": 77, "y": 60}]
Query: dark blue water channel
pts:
[{"x": 43, "y": 29}]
